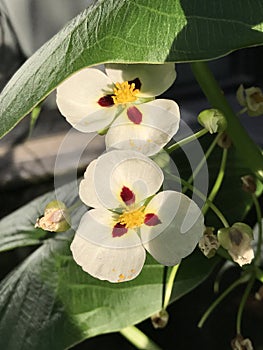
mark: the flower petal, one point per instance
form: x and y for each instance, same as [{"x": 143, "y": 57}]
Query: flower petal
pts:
[
  {"x": 132, "y": 170},
  {"x": 182, "y": 225},
  {"x": 154, "y": 78},
  {"x": 160, "y": 121},
  {"x": 87, "y": 191},
  {"x": 77, "y": 100},
  {"x": 104, "y": 255}
]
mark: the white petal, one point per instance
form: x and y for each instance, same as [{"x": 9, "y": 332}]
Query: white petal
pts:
[
  {"x": 117, "y": 169},
  {"x": 182, "y": 225},
  {"x": 155, "y": 78},
  {"x": 87, "y": 191},
  {"x": 77, "y": 100},
  {"x": 160, "y": 121},
  {"x": 115, "y": 259}
]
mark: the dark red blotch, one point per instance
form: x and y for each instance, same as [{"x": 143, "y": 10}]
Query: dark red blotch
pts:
[
  {"x": 119, "y": 230},
  {"x": 151, "y": 219},
  {"x": 127, "y": 196}
]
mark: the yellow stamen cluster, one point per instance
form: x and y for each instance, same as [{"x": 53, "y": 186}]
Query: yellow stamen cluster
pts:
[
  {"x": 124, "y": 93},
  {"x": 132, "y": 219}
]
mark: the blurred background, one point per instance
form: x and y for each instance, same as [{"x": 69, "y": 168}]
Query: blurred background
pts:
[{"x": 27, "y": 165}]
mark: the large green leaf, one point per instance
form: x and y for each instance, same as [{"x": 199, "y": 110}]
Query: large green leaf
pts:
[
  {"x": 50, "y": 303},
  {"x": 132, "y": 31}
]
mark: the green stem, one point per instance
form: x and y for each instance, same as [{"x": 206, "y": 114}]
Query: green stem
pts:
[
  {"x": 200, "y": 165},
  {"x": 259, "y": 220},
  {"x": 138, "y": 338},
  {"x": 169, "y": 286},
  {"x": 219, "y": 299},
  {"x": 242, "y": 304},
  {"x": 218, "y": 181},
  {"x": 245, "y": 146},
  {"x": 186, "y": 140}
]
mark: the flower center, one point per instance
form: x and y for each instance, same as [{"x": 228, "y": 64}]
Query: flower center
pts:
[
  {"x": 124, "y": 93},
  {"x": 133, "y": 218}
]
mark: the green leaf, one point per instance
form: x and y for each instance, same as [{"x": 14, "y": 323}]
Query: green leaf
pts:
[
  {"x": 50, "y": 293},
  {"x": 131, "y": 31}
]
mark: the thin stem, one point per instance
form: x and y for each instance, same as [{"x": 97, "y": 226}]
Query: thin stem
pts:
[
  {"x": 245, "y": 146},
  {"x": 219, "y": 299},
  {"x": 243, "y": 303},
  {"x": 259, "y": 220},
  {"x": 212, "y": 206},
  {"x": 218, "y": 181},
  {"x": 186, "y": 140},
  {"x": 200, "y": 165},
  {"x": 169, "y": 286},
  {"x": 138, "y": 338}
]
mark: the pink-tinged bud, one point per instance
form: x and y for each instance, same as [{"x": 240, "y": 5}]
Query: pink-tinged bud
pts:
[
  {"x": 213, "y": 120},
  {"x": 55, "y": 219},
  {"x": 237, "y": 241},
  {"x": 160, "y": 319},
  {"x": 239, "y": 343},
  {"x": 209, "y": 244}
]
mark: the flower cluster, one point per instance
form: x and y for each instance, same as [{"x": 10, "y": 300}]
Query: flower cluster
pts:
[{"x": 130, "y": 215}]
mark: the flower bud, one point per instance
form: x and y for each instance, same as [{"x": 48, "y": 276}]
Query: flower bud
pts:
[
  {"x": 224, "y": 141},
  {"x": 209, "y": 244},
  {"x": 252, "y": 99},
  {"x": 160, "y": 319},
  {"x": 249, "y": 184},
  {"x": 239, "y": 343},
  {"x": 213, "y": 120},
  {"x": 237, "y": 241},
  {"x": 55, "y": 218},
  {"x": 259, "y": 294}
]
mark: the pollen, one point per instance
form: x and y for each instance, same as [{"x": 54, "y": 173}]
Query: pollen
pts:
[
  {"x": 124, "y": 93},
  {"x": 132, "y": 219}
]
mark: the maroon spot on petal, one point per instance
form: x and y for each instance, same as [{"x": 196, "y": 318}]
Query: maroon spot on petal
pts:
[
  {"x": 136, "y": 82},
  {"x": 151, "y": 219},
  {"x": 106, "y": 101},
  {"x": 119, "y": 230},
  {"x": 127, "y": 196},
  {"x": 134, "y": 115}
]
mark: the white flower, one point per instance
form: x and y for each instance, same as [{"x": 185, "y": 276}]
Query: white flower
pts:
[
  {"x": 124, "y": 101},
  {"x": 252, "y": 99},
  {"x": 130, "y": 217}
]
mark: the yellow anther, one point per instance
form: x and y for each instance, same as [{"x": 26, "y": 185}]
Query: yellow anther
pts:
[
  {"x": 132, "y": 219},
  {"x": 124, "y": 93}
]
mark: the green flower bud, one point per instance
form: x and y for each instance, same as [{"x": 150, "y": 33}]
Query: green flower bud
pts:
[
  {"x": 237, "y": 241},
  {"x": 252, "y": 99},
  {"x": 213, "y": 120},
  {"x": 209, "y": 244},
  {"x": 55, "y": 219},
  {"x": 160, "y": 319}
]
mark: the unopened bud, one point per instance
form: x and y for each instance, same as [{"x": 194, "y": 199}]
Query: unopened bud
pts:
[
  {"x": 160, "y": 319},
  {"x": 209, "y": 244},
  {"x": 55, "y": 218},
  {"x": 237, "y": 241},
  {"x": 224, "y": 141},
  {"x": 252, "y": 99},
  {"x": 213, "y": 120},
  {"x": 249, "y": 184},
  {"x": 239, "y": 343}
]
